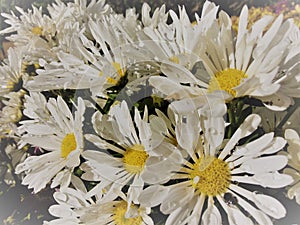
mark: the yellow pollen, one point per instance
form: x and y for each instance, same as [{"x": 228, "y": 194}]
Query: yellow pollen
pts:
[
  {"x": 118, "y": 68},
  {"x": 112, "y": 80},
  {"x": 210, "y": 176},
  {"x": 36, "y": 65},
  {"x": 68, "y": 145},
  {"x": 37, "y": 30},
  {"x": 120, "y": 72},
  {"x": 227, "y": 80},
  {"x": 10, "y": 84},
  {"x": 134, "y": 159},
  {"x": 174, "y": 59},
  {"x": 119, "y": 215}
]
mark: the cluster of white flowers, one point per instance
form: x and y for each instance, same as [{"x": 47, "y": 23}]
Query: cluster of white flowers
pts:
[{"x": 150, "y": 111}]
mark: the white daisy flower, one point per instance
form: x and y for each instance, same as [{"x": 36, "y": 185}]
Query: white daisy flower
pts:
[
  {"x": 11, "y": 113},
  {"x": 12, "y": 77},
  {"x": 97, "y": 59},
  {"x": 261, "y": 61},
  {"x": 74, "y": 208},
  {"x": 30, "y": 26},
  {"x": 53, "y": 128},
  {"x": 132, "y": 161},
  {"x": 187, "y": 96},
  {"x": 213, "y": 179},
  {"x": 45, "y": 35},
  {"x": 78, "y": 11},
  {"x": 95, "y": 66},
  {"x": 293, "y": 141},
  {"x": 173, "y": 42}
]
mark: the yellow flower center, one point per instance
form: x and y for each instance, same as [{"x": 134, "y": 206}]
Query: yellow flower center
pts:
[
  {"x": 210, "y": 176},
  {"x": 37, "y": 30},
  {"x": 227, "y": 80},
  {"x": 68, "y": 145},
  {"x": 120, "y": 72},
  {"x": 174, "y": 59},
  {"x": 119, "y": 216},
  {"x": 14, "y": 85},
  {"x": 134, "y": 159}
]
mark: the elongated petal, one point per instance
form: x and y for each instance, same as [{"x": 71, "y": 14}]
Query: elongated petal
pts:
[
  {"x": 271, "y": 180},
  {"x": 211, "y": 216},
  {"x": 178, "y": 196},
  {"x": 153, "y": 195},
  {"x": 248, "y": 126},
  {"x": 270, "y": 206},
  {"x": 264, "y": 164}
]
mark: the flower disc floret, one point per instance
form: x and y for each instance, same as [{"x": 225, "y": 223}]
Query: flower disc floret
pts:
[
  {"x": 134, "y": 158},
  {"x": 210, "y": 176}
]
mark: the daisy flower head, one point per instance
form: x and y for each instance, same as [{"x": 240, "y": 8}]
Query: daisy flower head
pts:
[
  {"x": 37, "y": 30},
  {"x": 260, "y": 61},
  {"x": 12, "y": 76},
  {"x": 11, "y": 113},
  {"x": 95, "y": 61},
  {"x": 51, "y": 126},
  {"x": 173, "y": 42},
  {"x": 31, "y": 27},
  {"x": 293, "y": 141},
  {"x": 78, "y": 11},
  {"x": 225, "y": 179},
  {"x": 187, "y": 95},
  {"x": 75, "y": 208},
  {"x": 126, "y": 157}
]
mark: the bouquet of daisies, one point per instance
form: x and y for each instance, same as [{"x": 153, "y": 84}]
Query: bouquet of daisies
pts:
[{"x": 131, "y": 116}]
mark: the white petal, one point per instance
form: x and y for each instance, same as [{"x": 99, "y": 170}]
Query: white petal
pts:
[
  {"x": 194, "y": 218},
  {"x": 147, "y": 220},
  {"x": 252, "y": 148},
  {"x": 187, "y": 131},
  {"x": 166, "y": 86},
  {"x": 159, "y": 130},
  {"x": 269, "y": 205},
  {"x": 179, "y": 73},
  {"x": 160, "y": 168},
  {"x": 271, "y": 180},
  {"x": 144, "y": 130},
  {"x": 294, "y": 191},
  {"x": 124, "y": 122},
  {"x": 178, "y": 215},
  {"x": 235, "y": 216},
  {"x": 178, "y": 196},
  {"x": 264, "y": 164},
  {"x": 265, "y": 41},
  {"x": 153, "y": 196},
  {"x": 61, "y": 211},
  {"x": 211, "y": 216},
  {"x": 135, "y": 189},
  {"x": 258, "y": 215},
  {"x": 277, "y": 144},
  {"x": 291, "y": 134},
  {"x": 214, "y": 130},
  {"x": 101, "y": 158},
  {"x": 247, "y": 127}
]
